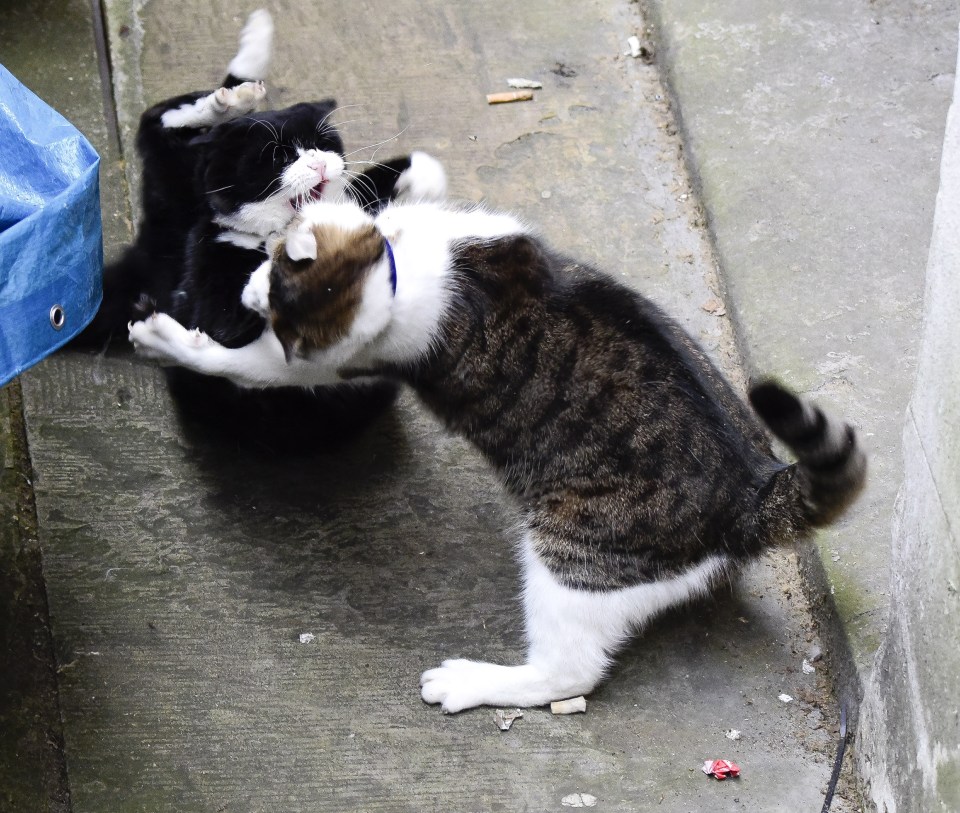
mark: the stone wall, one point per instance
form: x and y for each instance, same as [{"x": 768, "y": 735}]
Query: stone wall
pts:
[{"x": 909, "y": 740}]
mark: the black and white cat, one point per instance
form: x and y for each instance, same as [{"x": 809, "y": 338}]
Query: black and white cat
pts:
[
  {"x": 218, "y": 180},
  {"x": 643, "y": 479}
]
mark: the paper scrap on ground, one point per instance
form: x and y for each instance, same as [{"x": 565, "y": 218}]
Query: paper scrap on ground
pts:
[
  {"x": 524, "y": 83},
  {"x": 579, "y": 800},
  {"x": 721, "y": 769},
  {"x": 505, "y": 718}
]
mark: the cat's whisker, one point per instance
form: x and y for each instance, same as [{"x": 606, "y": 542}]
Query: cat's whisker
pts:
[
  {"x": 337, "y": 109},
  {"x": 377, "y": 146},
  {"x": 367, "y": 185},
  {"x": 221, "y": 189},
  {"x": 265, "y": 189},
  {"x": 265, "y": 124},
  {"x": 329, "y": 128},
  {"x": 369, "y": 163}
]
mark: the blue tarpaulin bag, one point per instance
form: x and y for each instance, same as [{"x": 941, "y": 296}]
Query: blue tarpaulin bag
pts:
[{"x": 51, "y": 235}]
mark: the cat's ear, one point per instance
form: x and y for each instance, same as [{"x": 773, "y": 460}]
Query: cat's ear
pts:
[{"x": 301, "y": 245}]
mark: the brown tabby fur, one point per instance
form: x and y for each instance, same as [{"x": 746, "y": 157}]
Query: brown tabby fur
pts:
[
  {"x": 631, "y": 456},
  {"x": 317, "y": 299}
]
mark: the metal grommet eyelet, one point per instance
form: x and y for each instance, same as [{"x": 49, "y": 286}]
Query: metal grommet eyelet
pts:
[{"x": 57, "y": 317}]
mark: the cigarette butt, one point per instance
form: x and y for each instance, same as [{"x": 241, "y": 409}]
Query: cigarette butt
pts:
[
  {"x": 572, "y": 706},
  {"x": 510, "y": 96}
]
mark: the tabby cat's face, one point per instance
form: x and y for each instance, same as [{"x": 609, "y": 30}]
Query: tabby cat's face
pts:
[
  {"x": 258, "y": 171},
  {"x": 330, "y": 272}
]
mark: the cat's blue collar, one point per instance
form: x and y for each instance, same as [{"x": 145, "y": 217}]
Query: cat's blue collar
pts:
[{"x": 393, "y": 266}]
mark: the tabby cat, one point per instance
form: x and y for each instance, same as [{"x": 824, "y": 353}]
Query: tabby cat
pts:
[{"x": 642, "y": 477}]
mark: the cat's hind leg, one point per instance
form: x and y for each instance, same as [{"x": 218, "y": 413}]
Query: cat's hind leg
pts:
[
  {"x": 224, "y": 104},
  {"x": 572, "y": 636},
  {"x": 256, "y": 48}
]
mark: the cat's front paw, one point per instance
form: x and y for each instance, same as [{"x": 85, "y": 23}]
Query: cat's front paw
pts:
[
  {"x": 424, "y": 180},
  {"x": 462, "y": 684},
  {"x": 163, "y": 338},
  {"x": 256, "y": 293},
  {"x": 455, "y": 684}
]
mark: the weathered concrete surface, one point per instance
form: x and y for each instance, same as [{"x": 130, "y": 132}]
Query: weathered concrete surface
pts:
[
  {"x": 180, "y": 572},
  {"x": 32, "y": 771},
  {"x": 815, "y": 133},
  {"x": 910, "y": 753}
]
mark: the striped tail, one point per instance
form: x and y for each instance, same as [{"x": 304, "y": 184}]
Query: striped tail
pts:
[{"x": 831, "y": 467}]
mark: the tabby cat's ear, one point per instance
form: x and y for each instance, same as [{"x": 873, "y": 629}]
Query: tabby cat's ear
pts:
[{"x": 301, "y": 245}]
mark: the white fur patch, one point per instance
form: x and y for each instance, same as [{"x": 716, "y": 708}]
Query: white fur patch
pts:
[
  {"x": 571, "y": 634},
  {"x": 424, "y": 180},
  {"x": 347, "y": 216},
  {"x": 240, "y": 239},
  {"x": 256, "y": 293}
]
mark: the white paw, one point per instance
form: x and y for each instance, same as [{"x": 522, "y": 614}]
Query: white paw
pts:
[
  {"x": 256, "y": 293},
  {"x": 455, "y": 684},
  {"x": 160, "y": 337},
  {"x": 235, "y": 101},
  {"x": 425, "y": 180},
  {"x": 462, "y": 684},
  {"x": 222, "y": 105}
]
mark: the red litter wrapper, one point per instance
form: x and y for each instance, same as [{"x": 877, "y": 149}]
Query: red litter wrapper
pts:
[{"x": 721, "y": 768}]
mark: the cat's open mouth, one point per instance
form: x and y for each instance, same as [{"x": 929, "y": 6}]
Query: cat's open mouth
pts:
[{"x": 312, "y": 195}]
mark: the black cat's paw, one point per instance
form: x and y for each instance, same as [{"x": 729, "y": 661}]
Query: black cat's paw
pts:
[
  {"x": 424, "y": 180},
  {"x": 229, "y": 103}
]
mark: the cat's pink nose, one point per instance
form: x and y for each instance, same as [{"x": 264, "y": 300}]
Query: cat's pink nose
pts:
[{"x": 319, "y": 166}]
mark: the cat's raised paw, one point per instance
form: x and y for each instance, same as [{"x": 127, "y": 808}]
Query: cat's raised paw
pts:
[
  {"x": 224, "y": 104},
  {"x": 425, "y": 180},
  {"x": 159, "y": 336},
  {"x": 236, "y": 101}
]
